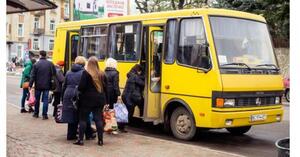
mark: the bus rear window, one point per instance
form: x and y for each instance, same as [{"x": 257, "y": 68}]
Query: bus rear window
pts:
[{"x": 124, "y": 41}]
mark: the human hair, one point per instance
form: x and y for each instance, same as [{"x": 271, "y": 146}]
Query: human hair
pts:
[
  {"x": 111, "y": 63},
  {"x": 97, "y": 75},
  {"x": 136, "y": 68},
  {"x": 33, "y": 61},
  {"x": 43, "y": 53},
  {"x": 80, "y": 60}
]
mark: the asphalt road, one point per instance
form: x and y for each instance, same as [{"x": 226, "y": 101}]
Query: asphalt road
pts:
[{"x": 259, "y": 141}]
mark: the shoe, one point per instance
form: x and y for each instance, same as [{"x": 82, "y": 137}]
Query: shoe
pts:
[
  {"x": 100, "y": 142},
  {"x": 79, "y": 142},
  {"x": 23, "y": 111},
  {"x": 123, "y": 131},
  {"x": 92, "y": 137},
  {"x": 30, "y": 110},
  {"x": 45, "y": 117},
  {"x": 35, "y": 116},
  {"x": 114, "y": 132},
  {"x": 71, "y": 138}
]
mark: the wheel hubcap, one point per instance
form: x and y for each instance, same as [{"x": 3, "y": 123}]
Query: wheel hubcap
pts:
[{"x": 183, "y": 124}]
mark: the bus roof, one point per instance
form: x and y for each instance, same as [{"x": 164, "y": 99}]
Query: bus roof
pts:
[{"x": 165, "y": 15}]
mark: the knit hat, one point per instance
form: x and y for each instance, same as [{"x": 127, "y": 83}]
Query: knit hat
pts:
[{"x": 60, "y": 63}]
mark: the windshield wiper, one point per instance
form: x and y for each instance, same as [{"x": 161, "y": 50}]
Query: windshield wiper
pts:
[
  {"x": 270, "y": 65},
  {"x": 238, "y": 64}
]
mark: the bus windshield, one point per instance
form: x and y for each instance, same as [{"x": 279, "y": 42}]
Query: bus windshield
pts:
[{"x": 242, "y": 42}]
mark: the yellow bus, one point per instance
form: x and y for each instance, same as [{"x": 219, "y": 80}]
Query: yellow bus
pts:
[{"x": 204, "y": 68}]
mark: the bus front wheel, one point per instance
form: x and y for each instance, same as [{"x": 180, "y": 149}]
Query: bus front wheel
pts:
[
  {"x": 239, "y": 130},
  {"x": 182, "y": 124}
]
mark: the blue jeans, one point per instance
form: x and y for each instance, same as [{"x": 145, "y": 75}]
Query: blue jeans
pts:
[
  {"x": 45, "y": 94},
  {"x": 24, "y": 96}
]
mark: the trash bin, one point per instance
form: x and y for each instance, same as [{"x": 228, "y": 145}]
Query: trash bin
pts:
[{"x": 283, "y": 147}]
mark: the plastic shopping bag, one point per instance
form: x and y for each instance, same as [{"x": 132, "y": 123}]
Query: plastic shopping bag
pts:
[
  {"x": 121, "y": 112},
  {"x": 110, "y": 120},
  {"x": 31, "y": 100},
  {"x": 58, "y": 116}
]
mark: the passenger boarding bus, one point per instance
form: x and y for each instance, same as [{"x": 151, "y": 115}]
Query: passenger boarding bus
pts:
[{"x": 204, "y": 68}]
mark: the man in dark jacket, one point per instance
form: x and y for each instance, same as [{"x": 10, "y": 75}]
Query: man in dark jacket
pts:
[{"x": 41, "y": 75}]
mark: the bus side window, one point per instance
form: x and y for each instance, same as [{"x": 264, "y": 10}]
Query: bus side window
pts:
[
  {"x": 124, "y": 41},
  {"x": 170, "y": 40},
  {"x": 94, "y": 41},
  {"x": 192, "y": 44}
]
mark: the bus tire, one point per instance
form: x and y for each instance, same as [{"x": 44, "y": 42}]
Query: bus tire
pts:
[
  {"x": 182, "y": 124},
  {"x": 287, "y": 95},
  {"x": 239, "y": 130}
]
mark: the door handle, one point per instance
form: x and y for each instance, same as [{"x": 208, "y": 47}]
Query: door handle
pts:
[{"x": 167, "y": 86}]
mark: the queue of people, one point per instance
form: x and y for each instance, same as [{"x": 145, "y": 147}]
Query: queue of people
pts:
[{"x": 83, "y": 93}]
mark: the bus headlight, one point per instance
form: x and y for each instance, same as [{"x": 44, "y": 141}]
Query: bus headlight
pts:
[
  {"x": 277, "y": 100},
  {"x": 229, "y": 102}
]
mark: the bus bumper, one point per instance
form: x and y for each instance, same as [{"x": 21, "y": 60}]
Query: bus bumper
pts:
[{"x": 245, "y": 118}]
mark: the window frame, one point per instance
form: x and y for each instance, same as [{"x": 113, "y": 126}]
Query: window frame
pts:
[
  {"x": 51, "y": 41},
  {"x": 138, "y": 58},
  {"x": 81, "y": 36},
  {"x": 38, "y": 43},
  {"x": 52, "y": 23},
  {"x": 205, "y": 34},
  {"x": 36, "y": 22},
  {"x": 165, "y": 41},
  {"x": 22, "y": 28}
]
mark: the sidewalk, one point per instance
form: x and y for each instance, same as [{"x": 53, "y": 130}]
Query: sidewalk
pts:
[
  {"x": 18, "y": 72},
  {"x": 30, "y": 137}
]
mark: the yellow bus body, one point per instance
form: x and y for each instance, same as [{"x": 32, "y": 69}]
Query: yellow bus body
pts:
[{"x": 188, "y": 85}]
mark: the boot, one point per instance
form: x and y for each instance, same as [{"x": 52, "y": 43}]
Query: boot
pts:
[
  {"x": 23, "y": 110},
  {"x": 79, "y": 142},
  {"x": 100, "y": 142}
]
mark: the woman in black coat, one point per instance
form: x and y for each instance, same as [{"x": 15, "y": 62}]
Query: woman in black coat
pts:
[
  {"x": 92, "y": 98},
  {"x": 112, "y": 77},
  {"x": 133, "y": 92},
  {"x": 69, "y": 112}
]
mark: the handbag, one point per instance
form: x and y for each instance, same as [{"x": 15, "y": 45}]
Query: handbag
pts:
[
  {"x": 31, "y": 100},
  {"x": 75, "y": 99},
  {"x": 58, "y": 116},
  {"x": 121, "y": 112},
  {"x": 136, "y": 96},
  {"x": 52, "y": 81},
  {"x": 25, "y": 85}
]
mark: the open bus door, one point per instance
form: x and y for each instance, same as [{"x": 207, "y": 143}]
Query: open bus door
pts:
[
  {"x": 152, "y": 109},
  {"x": 71, "y": 49}
]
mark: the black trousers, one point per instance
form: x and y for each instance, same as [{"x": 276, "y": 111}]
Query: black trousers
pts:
[
  {"x": 57, "y": 96},
  {"x": 83, "y": 119},
  {"x": 72, "y": 130}
]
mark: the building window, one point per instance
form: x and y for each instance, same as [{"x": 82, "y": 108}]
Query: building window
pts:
[
  {"x": 66, "y": 9},
  {"x": 52, "y": 25},
  {"x": 51, "y": 44},
  {"x": 36, "y": 22},
  {"x": 94, "y": 41},
  {"x": 19, "y": 50},
  {"x": 35, "y": 44},
  {"x": 124, "y": 41},
  {"x": 88, "y": 5},
  {"x": 20, "y": 30}
]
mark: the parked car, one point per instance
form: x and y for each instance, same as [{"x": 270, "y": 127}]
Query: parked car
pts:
[{"x": 286, "y": 82}]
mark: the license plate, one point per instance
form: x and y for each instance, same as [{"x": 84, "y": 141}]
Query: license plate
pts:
[{"x": 258, "y": 117}]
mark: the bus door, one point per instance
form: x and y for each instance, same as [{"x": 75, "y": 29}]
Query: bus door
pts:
[
  {"x": 153, "y": 73},
  {"x": 71, "y": 49}
]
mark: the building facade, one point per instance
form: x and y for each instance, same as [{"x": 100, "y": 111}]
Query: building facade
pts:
[{"x": 34, "y": 31}]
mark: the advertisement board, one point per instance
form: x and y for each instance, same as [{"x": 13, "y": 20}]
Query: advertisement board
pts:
[{"x": 90, "y": 9}]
